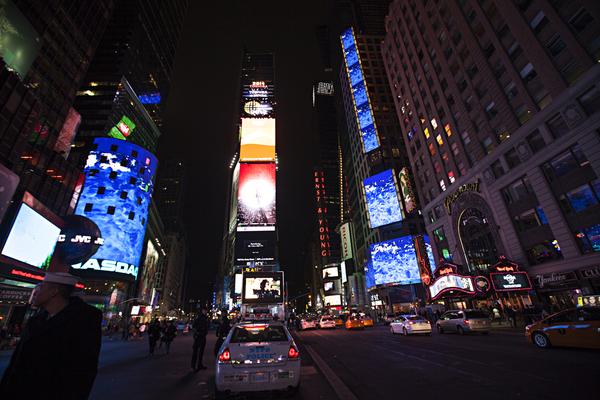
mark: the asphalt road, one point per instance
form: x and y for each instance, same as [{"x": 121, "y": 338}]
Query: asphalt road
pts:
[
  {"x": 127, "y": 372},
  {"x": 374, "y": 364}
]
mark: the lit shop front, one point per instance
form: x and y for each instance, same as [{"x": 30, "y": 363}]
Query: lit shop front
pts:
[
  {"x": 512, "y": 287},
  {"x": 456, "y": 289}
]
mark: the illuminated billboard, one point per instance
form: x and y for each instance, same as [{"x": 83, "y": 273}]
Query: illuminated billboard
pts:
[
  {"x": 256, "y": 197},
  {"x": 262, "y": 287},
  {"x": 257, "y": 139},
  {"x": 122, "y": 129},
  {"x": 382, "y": 199},
  {"x": 346, "y": 239},
  {"x": 19, "y": 42},
  {"x": 33, "y": 235},
  {"x": 410, "y": 202},
  {"x": 360, "y": 95},
  {"x": 393, "y": 261},
  {"x": 255, "y": 248},
  {"x": 331, "y": 272},
  {"x": 257, "y": 108},
  {"x": 116, "y": 195},
  {"x": 148, "y": 276},
  {"x": 333, "y": 300},
  {"x": 149, "y": 98},
  {"x": 233, "y": 201}
]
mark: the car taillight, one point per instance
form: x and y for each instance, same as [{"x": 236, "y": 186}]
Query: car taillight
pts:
[
  {"x": 411, "y": 322},
  {"x": 467, "y": 321},
  {"x": 225, "y": 356},
  {"x": 293, "y": 352}
]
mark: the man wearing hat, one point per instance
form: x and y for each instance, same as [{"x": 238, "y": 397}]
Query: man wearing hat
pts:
[{"x": 57, "y": 356}]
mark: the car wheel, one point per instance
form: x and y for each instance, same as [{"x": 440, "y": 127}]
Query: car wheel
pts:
[
  {"x": 404, "y": 332},
  {"x": 440, "y": 329},
  {"x": 460, "y": 330},
  {"x": 541, "y": 340}
]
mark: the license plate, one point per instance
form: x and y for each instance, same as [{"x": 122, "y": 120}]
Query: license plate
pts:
[
  {"x": 260, "y": 377},
  {"x": 285, "y": 375}
]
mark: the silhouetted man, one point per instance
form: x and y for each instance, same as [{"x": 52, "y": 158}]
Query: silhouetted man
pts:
[{"x": 200, "y": 327}]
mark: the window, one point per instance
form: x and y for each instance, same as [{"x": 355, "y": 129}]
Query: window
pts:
[
  {"x": 538, "y": 22},
  {"x": 488, "y": 145},
  {"x": 439, "y": 139},
  {"x": 523, "y": 114},
  {"x": 555, "y": 45},
  {"x": 578, "y": 199},
  {"x": 588, "y": 238},
  {"x": 497, "y": 169},
  {"x": 101, "y": 190},
  {"x": 581, "y": 20},
  {"x": 443, "y": 185},
  {"x": 528, "y": 72},
  {"x": 517, "y": 191},
  {"x": 544, "y": 251},
  {"x": 426, "y": 132},
  {"x": 88, "y": 207},
  {"x": 557, "y": 126},
  {"x": 111, "y": 210},
  {"x": 455, "y": 149},
  {"x": 437, "y": 167},
  {"x": 536, "y": 141},
  {"x": 590, "y": 100},
  {"x": 490, "y": 110},
  {"x": 564, "y": 163},
  {"x": 434, "y": 123},
  {"x": 451, "y": 177},
  {"x": 431, "y": 149},
  {"x": 511, "y": 90},
  {"x": 512, "y": 158},
  {"x": 530, "y": 219},
  {"x": 448, "y": 130},
  {"x": 466, "y": 138}
]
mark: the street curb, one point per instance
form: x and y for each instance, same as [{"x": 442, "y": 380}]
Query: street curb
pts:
[{"x": 340, "y": 389}]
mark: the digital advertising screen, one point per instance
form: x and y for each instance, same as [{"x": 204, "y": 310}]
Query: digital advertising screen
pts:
[
  {"x": 256, "y": 197},
  {"x": 393, "y": 261},
  {"x": 263, "y": 287},
  {"x": 233, "y": 205},
  {"x": 381, "y": 195},
  {"x": 333, "y": 300},
  {"x": 148, "y": 276},
  {"x": 116, "y": 195},
  {"x": 328, "y": 286},
  {"x": 510, "y": 281},
  {"x": 238, "y": 283},
  {"x": 360, "y": 95},
  {"x": 19, "y": 41},
  {"x": 257, "y": 108},
  {"x": 331, "y": 272},
  {"x": 257, "y": 139},
  {"x": 410, "y": 202},
  {"x": 32, "y": 238},
  {"x": 257, "y": 248}
]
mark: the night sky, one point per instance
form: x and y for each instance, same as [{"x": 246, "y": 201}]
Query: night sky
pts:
[{"x": 202, "y": 111}]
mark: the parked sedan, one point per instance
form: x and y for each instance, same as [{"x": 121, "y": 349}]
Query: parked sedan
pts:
[
  {"x": 576, "y": 327},
  {"x": 410, "y": 324},
  {"x": 464, "y": 321}
]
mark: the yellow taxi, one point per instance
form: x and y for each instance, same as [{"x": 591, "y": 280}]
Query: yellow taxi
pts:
[
  {"x": 368, "y": 321},
  {"x": 339, "y": 321},
  {"x": 354, "y": 322},
  {"x": 576, "y": 327}
]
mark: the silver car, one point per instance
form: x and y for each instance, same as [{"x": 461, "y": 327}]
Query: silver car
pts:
[{"x": 464, "y": 321}]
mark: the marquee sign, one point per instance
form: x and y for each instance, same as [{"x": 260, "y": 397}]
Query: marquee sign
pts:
[
  {"x": 506, "y": 277},
  {"x": 451, "y": 283}
]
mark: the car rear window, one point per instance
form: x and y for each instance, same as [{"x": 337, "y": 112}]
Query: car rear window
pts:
[
  {"x": 415, "y": 318},
  {"x": 476, "y": 314},
  {"x": 326, "y": 319},
  {"x": 261, "y": 333}
]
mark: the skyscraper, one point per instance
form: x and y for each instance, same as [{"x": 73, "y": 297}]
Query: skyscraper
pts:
[
  {"x": 250, "y": 241},
  {"x": 498, "y": 103}
]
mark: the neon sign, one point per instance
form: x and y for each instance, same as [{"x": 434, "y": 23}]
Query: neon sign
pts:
[{"x": 324, "y": 244}]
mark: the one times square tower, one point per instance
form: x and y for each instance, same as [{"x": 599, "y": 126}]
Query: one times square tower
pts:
[{"x": 250, "y": 242}]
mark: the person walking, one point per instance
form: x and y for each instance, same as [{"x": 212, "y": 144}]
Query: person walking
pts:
[
  {"x": 168, "y": 335},
  {"x": 153, "y": 335},
  {"x": 57, "y": 356},
  {"x": 200, "y": 327},
  {"x": 222, "y": 332}
]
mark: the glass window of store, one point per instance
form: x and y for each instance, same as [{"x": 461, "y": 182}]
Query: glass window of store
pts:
[
  {"x": 530, "y": 219},
  {"x": 588, "y": 238},
  {"x": 543, "y": 251},
  {"x": 517, "y": 191},
  {"x": 581, "y": 198}
]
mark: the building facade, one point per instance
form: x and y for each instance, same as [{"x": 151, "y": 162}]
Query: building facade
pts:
[{"x": 498, "y": 103}]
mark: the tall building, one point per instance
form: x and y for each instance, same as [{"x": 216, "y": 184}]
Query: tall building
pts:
[
  {"x": 498, "y": 103},
  {"x": 45, "y": 49},
  {"x": 170, "y": 193},
  {"x": 250, "y": 241}
]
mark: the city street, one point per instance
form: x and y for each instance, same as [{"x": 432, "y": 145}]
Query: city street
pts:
[{"x": 374, "y": 364}]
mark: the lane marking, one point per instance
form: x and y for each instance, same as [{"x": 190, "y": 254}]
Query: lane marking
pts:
[{"x": 340, "y": 389}]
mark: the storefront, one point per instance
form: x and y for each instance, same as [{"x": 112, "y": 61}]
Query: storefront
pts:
[
  {"x": 558, "y": 290},
  {"x": 457, "y": 289},
  {"x": 512, "y": 287}
]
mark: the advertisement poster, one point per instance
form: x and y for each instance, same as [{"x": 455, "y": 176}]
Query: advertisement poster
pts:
[
  {"x": 381, "y": 195},
  {"x": 258, "y": 139},
  {"x": 256, "y": 197},
  {"x": 407, "y": 192},
  {"x": 394, "y": 261},
  {"x": 346, "y": 238},
  {"x": 266, "y": 288}
]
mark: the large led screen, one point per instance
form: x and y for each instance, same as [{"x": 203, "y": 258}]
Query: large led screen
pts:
[
  {"x": 333, "y": 300},
  {"x": 31, "y": 239},
  {"x": 265, "y": 288},
  {"x": 410, "y": 202},
  {"x": 116, "y": 196},
  {"x": 383, "y": 203},
  {"x": 256, "y": 197},
  {"x": 233, "y": 205},
  {"x": 258, "y": 139},
  {"x": 19, "y": 41},
  {"x": 148, "y": 277},
  {"x": 393, "y": 261},
  {"x": 360, "y": 95}
]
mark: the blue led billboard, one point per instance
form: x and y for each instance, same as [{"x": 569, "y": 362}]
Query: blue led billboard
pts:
[
  {"x": 383, "y": 202},
  {"x": 393, "y": 261},
  {"x": 360, "y": 96},
  {"x": 150, "y": 98},
  {"x": 116, "y": 196},
  {"x": 429, "y": 251}
]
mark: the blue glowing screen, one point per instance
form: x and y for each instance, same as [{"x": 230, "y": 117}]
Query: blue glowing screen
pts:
[
  {"x": 116, "y": 196},
  {"x": 429, "y": 251},
  {"x": 393, "y": 261},
  {"x": 149, "y": 98},
  {"x": 381, "y": 194},
  {"x": 360, "y": 97}
]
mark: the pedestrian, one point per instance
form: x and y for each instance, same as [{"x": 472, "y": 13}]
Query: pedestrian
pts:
[
  {"x": 512, "y": 316},
  {"x": 125, "y": 332},
  {"x": 168, "y": 335},
  {"x": 57, "y": 356},
  {"x": 163, "y": 328},
  {"x": 200, "y": 327},
  {"x": 153, "y": 335},
  {"x": 222, "y": 332}
]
